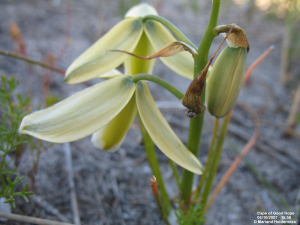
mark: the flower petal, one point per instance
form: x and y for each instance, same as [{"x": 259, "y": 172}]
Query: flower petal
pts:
[
  {"x": 135, "y": 65},
  {"x": 111, "y": 74},
  {"x": 81, "y": 114},
  {"x": 111, "y": 136},
  {"x": 96, "y": 60},
  {"x": 161, "y": 133},
  {"x": 182, "y": 63},
  {"x": 141, "y": 10}
]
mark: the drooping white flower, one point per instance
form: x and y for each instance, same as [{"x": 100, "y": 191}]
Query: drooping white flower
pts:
[
  {"x": 114, "y": 102},
  {"x": 125, "y": 36}
]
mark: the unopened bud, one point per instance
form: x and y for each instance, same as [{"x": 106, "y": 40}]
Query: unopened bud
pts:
[{"x": 225, "y": 80}]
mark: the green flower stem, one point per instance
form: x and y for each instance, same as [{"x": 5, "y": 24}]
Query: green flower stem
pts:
[
  {"x": 171, "y": 27},
  {"x": 175, "y": 172},
  {"x": 159, "y": 81},
  {"x": 215, "y": 160},
  {"x": 153, "y": 162},
  {"x": 210, "y": 154},
  {"x": 196, "y": 124}
]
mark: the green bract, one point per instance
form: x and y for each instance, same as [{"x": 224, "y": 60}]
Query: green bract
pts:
[{"x": 225, "y": 80}]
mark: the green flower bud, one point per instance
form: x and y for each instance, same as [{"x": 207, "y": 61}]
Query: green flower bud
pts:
[{"x": 225, "y": 80}]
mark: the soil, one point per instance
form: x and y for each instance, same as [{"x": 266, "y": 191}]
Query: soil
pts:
[{"x": 114, "y": 188}]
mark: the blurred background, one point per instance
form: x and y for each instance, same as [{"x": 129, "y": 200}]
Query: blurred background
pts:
[{"x": 114, "y": 188}]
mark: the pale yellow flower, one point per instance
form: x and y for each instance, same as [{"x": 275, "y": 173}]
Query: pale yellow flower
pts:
[
  {"x": 125, "y": 36},
  {"x": 108, "y": 109}
]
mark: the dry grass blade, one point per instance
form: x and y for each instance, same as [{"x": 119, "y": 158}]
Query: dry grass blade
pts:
[
  {"x": 157, "y": 199},
  {"x": 33, "y": 220},
  {"x": 74, "y": 204},
  {"x": 48, "y": 208},
  {"x": 257, "y": 62}
]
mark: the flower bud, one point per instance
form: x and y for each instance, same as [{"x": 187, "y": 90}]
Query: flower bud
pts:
[{"x": 225, "y": 80}]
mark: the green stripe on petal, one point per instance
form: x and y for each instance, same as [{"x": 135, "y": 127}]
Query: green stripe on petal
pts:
[
  {"x": 161, "y": 133},
  {"x": 134, "y": 65},
  {"x": 111, "y": 136},
  {"x": 181, "y": 63},
  {"x": 96, "y": 60},
  {"x": 81, "y": 114}
]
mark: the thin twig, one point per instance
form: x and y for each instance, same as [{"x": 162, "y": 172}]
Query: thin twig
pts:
[
  {"x": 28, "y": 219},
  {"x": 32, "y": 61},
  {"x": 68, "y": 155},
  {"x": 237, "y": 161},
  {"x": 292, "y": 163}
]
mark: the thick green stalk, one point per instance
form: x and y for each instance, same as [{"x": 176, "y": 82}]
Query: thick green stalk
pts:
[
  {"x": 159, "y": 81},
  {"x": 215, "y": 160},
  {"x": 196, "y": 124},
  {"x": 153, "y": 162},
  {"x": 210, "y": 154},
  {"x": 171, "y": 27}
]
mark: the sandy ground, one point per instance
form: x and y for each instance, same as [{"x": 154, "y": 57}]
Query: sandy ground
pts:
[{"x": 115, "y": 188}]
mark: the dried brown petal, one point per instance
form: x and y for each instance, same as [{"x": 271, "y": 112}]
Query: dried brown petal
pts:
[
  {"x": 192, "y": 97},
  {"x": 237, "y": 38},
  {"x": 167, "y": 51}
]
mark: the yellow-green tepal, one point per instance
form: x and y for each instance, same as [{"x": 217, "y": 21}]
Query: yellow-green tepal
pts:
[{"x": 225, "y": 81}]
